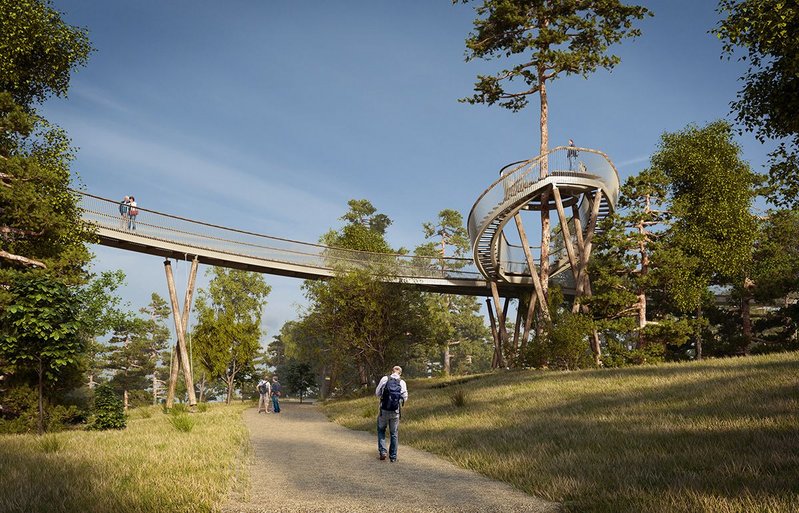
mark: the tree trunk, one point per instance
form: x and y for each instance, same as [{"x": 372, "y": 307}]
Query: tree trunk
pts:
[
  {"x": 544, "y": 171},
  {"x": 641, "y": 317},
  {"x": 494, "y": 334},
  {"x": 229, "y": 380},
  {"x": 125, "y": 399},
  {"x": 446, "y": 359},
  {"x": 698, "y": 337},
  {"x": 40, "y": 426},
  {"x": 746, "y": 311},
  {"x": 155, "y": 389}
]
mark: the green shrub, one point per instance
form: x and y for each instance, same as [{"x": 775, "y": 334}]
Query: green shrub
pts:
[
  {"x": 59, "y": 416},
  {"x": 20, "y": 410},
  {"x": 202, "y": 407},
  {"x": 20, "y": 413},
  {"x": 182, "y": 422},
  {"x": 458, "y": 397},
  {"x": 139, "y": 398},
  {"x": 108, "y": 409},
  {"x": 179, "y": 409},
  {"x": 145, "y": 412},
  {"x": 50, "y": 443}
]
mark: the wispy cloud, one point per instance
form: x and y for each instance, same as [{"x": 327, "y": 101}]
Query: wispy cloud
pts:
[
  {"x": 98, "y": 97},
  {"x": 630, "y": 162},
  {"x": 261, "y": 190}
]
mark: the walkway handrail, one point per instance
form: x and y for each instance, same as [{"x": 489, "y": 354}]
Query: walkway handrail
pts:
[
  {"x": 586, "y": 160},
  {"x": 162, "y": 226}
]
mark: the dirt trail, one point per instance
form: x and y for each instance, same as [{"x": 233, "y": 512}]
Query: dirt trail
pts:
[{"x": 301, "y": 462}]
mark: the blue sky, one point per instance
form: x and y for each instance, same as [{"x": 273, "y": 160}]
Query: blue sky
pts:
[{"x": 268, "y": 116}]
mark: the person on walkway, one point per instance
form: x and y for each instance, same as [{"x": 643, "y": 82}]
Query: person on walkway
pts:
[
  {"x": 264, "y": 391},
  {"x": 276, "y": 389},
  {"x": 393, "y": 393},
  {"x": 132, "y": 213},
  {"x": 571, "y": 154},
  {"x": 124, "y": 206}
]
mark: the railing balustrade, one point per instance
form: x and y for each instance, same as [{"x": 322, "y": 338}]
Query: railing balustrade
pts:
[{"x": 160, "y": 226}]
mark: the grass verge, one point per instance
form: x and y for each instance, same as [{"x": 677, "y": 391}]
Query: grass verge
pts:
[
  {"x": 713, "y": 436},
  {"x": 150, "y": 466}
]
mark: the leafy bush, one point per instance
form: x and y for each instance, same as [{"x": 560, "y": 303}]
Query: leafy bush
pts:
[
  {"x": 566, "y": 346},
  {"x": 139, "y": 398},
  {"x": 182, "y": 422},
  {"x": 202, "y": 407},
  {"x": 20, "y": 412},
  {"x": 108, "y": 409},
  {"x": 59, "y": 416}
]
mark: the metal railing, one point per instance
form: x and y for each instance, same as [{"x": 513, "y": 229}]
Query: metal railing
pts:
[
  {"x": 315, "y": 258},
  {"x": 518, "y": 178}
]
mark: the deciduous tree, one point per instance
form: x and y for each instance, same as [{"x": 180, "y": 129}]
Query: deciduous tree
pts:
[
  {"x": 227, "y": 336},
  {"x": 39, "y": 329},
  {"x": 763, "y": 32},
  {"x": 713, "y": 229}
]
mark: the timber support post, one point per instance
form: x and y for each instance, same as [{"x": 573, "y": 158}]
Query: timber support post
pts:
[
  {"x": 494, "y": 333},
  {"x": 180, "y": 359},
  {"x": 499, "y": 341}
]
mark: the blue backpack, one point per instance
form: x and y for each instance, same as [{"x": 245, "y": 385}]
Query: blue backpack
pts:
[{"x": 392, "y": 395}]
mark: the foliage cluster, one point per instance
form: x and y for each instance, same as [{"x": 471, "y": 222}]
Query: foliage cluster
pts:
[
  {"x": 364, "y": 321},
  {"x": 108, "y": 409}
]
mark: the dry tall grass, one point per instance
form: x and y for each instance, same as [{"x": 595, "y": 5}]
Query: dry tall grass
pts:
[
  {"x": 714, "y": 436},
  {"x": 150, "y": 466}
]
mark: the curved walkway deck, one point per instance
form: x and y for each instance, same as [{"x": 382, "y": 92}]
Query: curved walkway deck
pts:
[
  {"x": 304, "y": 463},
  {"x": 171, "y": 236}
]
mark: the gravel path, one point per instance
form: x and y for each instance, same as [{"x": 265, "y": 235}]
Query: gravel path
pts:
[{"x": 301, "y": 462}]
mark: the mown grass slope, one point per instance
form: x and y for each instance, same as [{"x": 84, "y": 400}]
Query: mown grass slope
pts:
[
  {"x": 149, "y": 466},
  {"x": 718, "y": 435}
]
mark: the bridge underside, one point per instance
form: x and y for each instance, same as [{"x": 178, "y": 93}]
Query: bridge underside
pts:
[{"x": 142, "y": 244}]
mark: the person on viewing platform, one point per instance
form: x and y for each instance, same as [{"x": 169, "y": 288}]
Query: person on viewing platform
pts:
[
  {"x": 132, "y": 213},
  {"x": 124, "y": 206},
  {"x": 571, "y": 154},
  {"x": 393, "y": 393}
]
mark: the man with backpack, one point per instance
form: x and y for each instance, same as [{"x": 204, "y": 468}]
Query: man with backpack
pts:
[
  {"x": 264, "y": 391},
  {"x": 393, "y": 392}
]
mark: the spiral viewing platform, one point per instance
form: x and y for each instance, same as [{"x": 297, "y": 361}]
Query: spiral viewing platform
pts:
[{"x": 575, "y": 175}]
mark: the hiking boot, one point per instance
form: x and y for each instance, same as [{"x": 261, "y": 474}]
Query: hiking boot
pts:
[
  {"x": 393, "y": 460},
  {"x": 382, "y": 456}
]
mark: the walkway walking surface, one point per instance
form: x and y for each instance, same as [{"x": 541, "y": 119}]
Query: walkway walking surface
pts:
[{"x": 302, "y": 462}]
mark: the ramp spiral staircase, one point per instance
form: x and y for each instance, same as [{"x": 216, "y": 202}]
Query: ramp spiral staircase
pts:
[{"x": 577, "y": 173}]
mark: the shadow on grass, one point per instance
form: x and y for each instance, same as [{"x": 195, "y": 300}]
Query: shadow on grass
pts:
[
  {"x": 672, "y": 438},
  {"x": 50, "y": 483}
]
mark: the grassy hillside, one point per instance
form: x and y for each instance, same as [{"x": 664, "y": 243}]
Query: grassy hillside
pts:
[
  {"x": 720, "y": 436},
  {"x": 150, "y": 466}
]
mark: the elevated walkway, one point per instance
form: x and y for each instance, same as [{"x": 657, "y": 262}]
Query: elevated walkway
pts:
[{"x": 171, "y": 236}]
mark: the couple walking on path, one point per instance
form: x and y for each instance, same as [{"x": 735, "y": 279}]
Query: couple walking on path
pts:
[{"x": 269, "y": 395}]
